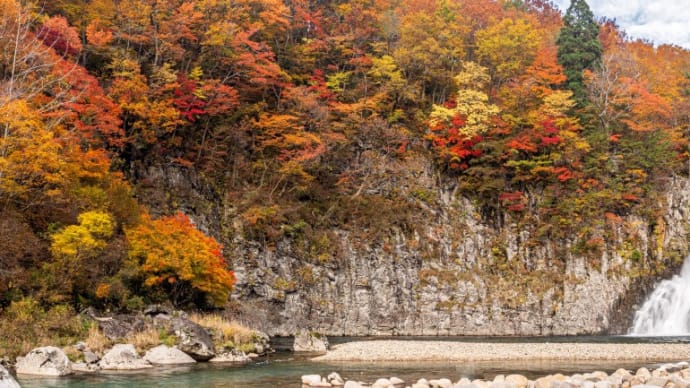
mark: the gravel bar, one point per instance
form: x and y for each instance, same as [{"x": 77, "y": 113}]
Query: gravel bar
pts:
[{"x": 392, "y": 350}]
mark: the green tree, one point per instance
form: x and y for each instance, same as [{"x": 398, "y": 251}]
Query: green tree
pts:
[{"x": 579, "y": 48}]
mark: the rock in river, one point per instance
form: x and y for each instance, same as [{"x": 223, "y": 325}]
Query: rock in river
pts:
[
  {"x": 6, "y": 379},
  {"x": 45, "y": 361},
  {"x": 310, "y": 342},
  {"x": 231, "y": 356},
  {"x": 123, "y": 357},
  {"x": 164, "y": 355},
  {"x": 194, "y": 339}
]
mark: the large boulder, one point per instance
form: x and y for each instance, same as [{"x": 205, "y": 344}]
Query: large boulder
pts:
[
  {"x": 310, "y": 342},
  {"x": 90, "y": 357},
  {"x": 123, "y": 357},
  {"x": 120, "y": 326},
  {"x": 193, "y": 339},
  {"x": 164, "y": 355},
  {"x": 44, "y": 361},
  {"x": 6, "y": 379}
]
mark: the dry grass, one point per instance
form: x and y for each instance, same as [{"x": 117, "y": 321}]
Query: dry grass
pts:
[
  {"x": 72, "y": 353},
  {"x": 229, "y": 331},
  {"x": 96, "y": 341},
  {"x": 145, "y": 339}
]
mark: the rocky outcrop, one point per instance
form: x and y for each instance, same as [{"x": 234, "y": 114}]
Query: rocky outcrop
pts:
[
  {"x": 6, "y": 379},
  {"x": 233, "y": 356},
  {"x": 123, "y": 357},
  {"x": 44, "y": 361},
  {"x": 262, "y": 342},
  {"x": 164, "y": 355},
  {"x": 310, "y": 342},
  {"x": 457, "y": 274},
  {"x": 454, "y": 269},
  {"x": 193, "y": 339},
  {"x": 119, "y": 326}
]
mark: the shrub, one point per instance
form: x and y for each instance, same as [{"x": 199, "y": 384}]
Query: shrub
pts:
[
  {"x": 26, "y": 324},
  {"x": 79, "y": 256},
  {"x": 172, "y": 256}
]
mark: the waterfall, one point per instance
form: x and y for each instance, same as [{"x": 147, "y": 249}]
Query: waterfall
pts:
[{"x": 667, "y": 310}]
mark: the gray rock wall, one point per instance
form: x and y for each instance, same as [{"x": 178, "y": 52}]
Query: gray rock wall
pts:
[
  {"x": 395, "y": 287},
  {"x": 456, "y": 273}
]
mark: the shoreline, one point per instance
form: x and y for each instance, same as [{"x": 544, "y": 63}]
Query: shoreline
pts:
[{"x": 397, "y": 350}]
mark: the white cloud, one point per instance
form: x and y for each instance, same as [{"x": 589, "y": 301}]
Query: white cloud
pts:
[{"x": 660, "y": 21}]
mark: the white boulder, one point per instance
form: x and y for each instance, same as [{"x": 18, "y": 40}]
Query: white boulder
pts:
[
  {"x": 45, "y": 361},
  {"x": 164, "y": 355},
  {"x": 123, "y": 357},
  {"x": 6, "y": 379},
  {"x": 310, "y": 342}
]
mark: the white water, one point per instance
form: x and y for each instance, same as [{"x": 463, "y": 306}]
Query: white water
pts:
[{"x": 667, "y": 310}]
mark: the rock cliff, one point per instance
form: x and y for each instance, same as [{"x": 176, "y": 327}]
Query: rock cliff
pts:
[{"x": 455, "y": 271}]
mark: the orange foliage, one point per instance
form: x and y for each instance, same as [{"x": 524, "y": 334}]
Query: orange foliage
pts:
[
  {"x": 60, "y": 36},
  {"x": 98, "y": 35},
  {"x": 83, "y": 107},
  {"x": 172, "y": 250}
]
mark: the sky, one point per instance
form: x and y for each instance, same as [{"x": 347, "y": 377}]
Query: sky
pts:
[{"x": 661, "y": 21}]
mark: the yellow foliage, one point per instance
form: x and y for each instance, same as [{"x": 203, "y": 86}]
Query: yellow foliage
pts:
[
  {"x": 385, "y": 68},
  {"x": 558, "y": 103},
  {"x": 100, "y": 225},
  {"x": 77, "y": 242},
  {"x": 472, "y": 104},
  {"x": 30, "y": 161},
  {"x": 508, "y": 46}
]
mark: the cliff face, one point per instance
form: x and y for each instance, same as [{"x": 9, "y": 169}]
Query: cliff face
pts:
[{"x": 454, "y": 273}]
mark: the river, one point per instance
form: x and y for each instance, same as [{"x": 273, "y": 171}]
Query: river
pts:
[{"x": 284, "y": 369}]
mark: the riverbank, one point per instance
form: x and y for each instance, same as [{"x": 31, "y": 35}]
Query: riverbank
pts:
[
  {"x": 666, "y": 376},
  {"x": 397, "y": 350}
]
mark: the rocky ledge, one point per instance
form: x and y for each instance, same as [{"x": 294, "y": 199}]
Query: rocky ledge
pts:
[{"x": 666, "y": 376}]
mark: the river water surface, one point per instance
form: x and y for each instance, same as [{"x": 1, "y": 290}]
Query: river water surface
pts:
[{"x": 284, "y": 369}]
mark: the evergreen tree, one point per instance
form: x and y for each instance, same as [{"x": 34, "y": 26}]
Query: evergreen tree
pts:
[{"x": 579, "y": 47}]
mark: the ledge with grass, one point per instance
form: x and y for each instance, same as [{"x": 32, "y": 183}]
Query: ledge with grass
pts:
[{"x": 156, "y": 335}]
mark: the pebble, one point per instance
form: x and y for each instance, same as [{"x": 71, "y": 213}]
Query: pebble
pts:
[
  {"x": 397, "y": 350},
  {"x": 667, "y": 376}
]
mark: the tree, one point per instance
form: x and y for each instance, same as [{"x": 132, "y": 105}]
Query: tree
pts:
[
  {"x": 431, "y": 45},
  {"x": 579, "y": 48},
  {"x": 507, "y": 47},
  {"x": 76, "y": 251},
  {"x": 172, "y": 255},
  {"x": 456, "y": 127},
  {"x": 471, "y": 105}
]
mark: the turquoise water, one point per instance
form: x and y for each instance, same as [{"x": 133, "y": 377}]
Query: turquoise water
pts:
[{"x": 285, "y": 369}]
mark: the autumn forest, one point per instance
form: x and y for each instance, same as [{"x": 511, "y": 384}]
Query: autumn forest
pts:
[{"x": 303, "y": 115}]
